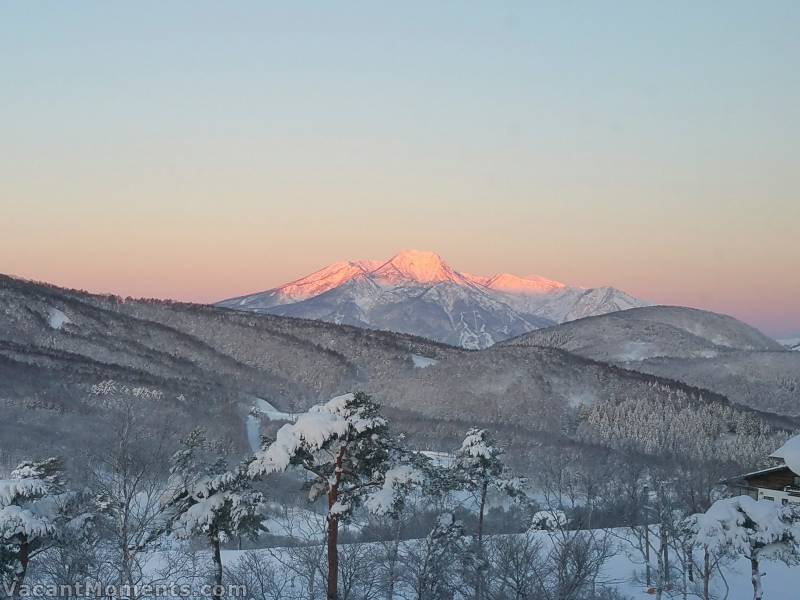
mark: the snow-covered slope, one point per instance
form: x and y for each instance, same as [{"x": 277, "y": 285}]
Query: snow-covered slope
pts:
[
  {"x": 696, "y": 347},
  {"x": 792, "y": 343},
  {"x": 419, "y": 293},
  {"x": 651, "y": 332},
  {"x": 199, "y": 364},
  {"x": 306, "y": 287},
  {"x": 567, "y": 304}
]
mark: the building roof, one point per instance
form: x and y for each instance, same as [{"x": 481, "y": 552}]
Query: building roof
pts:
[{"x": 755, "y": 473}]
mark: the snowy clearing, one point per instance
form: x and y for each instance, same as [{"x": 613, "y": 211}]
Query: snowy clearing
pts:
[
  {"x": 57, "y": 319},
  {"x": 422, "y": 362}
]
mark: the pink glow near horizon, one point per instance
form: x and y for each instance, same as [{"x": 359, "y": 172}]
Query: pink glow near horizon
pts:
[
  {"x": 201, "y": 151},
  {"x": 205, "y": 276}
]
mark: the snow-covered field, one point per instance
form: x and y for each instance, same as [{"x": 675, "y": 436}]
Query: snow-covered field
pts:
[
  {"x": 624, "y": 572},
  {"x": 780, "y": 583},
  {"x": 300, "y": 524}
]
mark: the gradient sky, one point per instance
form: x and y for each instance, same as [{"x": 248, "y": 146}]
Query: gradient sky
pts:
[{"x": 199, "y": 150}]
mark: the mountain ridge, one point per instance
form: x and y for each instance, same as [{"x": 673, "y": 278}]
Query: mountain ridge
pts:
[
  {"x": 417, "y": 292},
  {"x": 196, "y": 363}
]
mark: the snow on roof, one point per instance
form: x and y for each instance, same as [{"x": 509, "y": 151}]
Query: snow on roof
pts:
[
  {"x": 790, "y": 453},
  {"x": 755, "y": 473}
]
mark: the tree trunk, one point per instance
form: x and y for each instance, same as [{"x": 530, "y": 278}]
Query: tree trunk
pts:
[
  {"x": 333, "y": 531},
  {"x": 706, "y": 573},
  {"x": 661, "y": 584},
  {"x": 685, "y": 561},
  {"x": 333, "y": 556},
  {"x": 393, "y": 561},
  {"x": 479, "y": 573},
  {"x": 758, "y": 591},
  {"x": 127, "y": 558},
  {"x": 311, "y": 590},
  {"x": 22, "y": 570},
  {"x": 217, "y": 591},
  {"x": 647, "y": 573}
]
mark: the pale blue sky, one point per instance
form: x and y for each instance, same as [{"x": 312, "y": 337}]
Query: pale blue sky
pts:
[{"x": 212, "y": 148}]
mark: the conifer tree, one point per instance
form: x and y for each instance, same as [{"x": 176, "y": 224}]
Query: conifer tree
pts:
[
  {"x": 30, "y": 515},
  {"x": 345, "y": 446},
  {"x": 478, "y": 468},
  {"x": 204, "y": 498}
]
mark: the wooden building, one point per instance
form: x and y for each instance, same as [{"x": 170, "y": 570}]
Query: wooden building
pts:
[{"x": 778, "y": 483}]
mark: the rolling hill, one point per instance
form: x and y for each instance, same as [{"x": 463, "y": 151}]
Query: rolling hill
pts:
[
  {"x": 700, "y": 348},
  {"x": 651, "y": 332},
  {"x": 65, "y": 354}
]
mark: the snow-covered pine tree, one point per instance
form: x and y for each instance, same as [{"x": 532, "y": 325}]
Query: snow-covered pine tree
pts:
[
  {"x": 755, "y": 529},
  {"x": 29, "y": 516},
  {"x": 345, "y": 446},
  {"x": 431, "y": 562},
  {"x": 411, "y": 474},
  {"x": 478, "y": 468},
  {"x": 204, "y": 498}
]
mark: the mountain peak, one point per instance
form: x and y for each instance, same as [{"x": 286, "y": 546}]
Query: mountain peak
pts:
[
  {"x": 417, "y": 257},
  {"x": 421, "y": 266}
]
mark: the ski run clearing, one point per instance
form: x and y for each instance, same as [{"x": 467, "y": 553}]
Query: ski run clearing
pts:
[{"x": 262, "y": 408}]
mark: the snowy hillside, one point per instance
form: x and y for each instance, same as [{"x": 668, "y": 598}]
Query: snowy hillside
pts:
[
  {"x": 418, "y": 293},
  {"x": 697, "y": 347},
  {"x": 205, "y": 363},
  {"x": 651, "y": 332}
]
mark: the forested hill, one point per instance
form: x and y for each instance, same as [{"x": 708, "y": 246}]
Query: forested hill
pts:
[{"x": 204, "y": 365}]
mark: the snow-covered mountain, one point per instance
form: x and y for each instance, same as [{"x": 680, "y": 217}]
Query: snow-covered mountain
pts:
[
  {"x": 792, "y": 343},
  {"x": 419, "y": 293}
]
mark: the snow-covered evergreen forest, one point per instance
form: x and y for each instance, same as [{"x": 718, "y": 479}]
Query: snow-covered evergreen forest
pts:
[{"x": 339, "y": 504}]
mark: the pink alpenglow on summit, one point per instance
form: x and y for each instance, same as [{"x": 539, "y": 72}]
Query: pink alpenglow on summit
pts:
[
  {"x": 416, "y": 266},
  {"x": 417, "y": 292}
]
